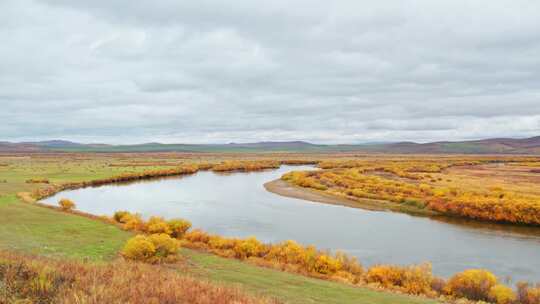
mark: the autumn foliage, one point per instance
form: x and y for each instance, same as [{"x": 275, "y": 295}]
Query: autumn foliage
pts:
[
  {"x": 474, "y": 284},
  {"x": 152, "y": 248},
  {"x": 416, "y": 279},
  {"x": 245, "y": 166},
  {"x": 162, "y": 240},
  {"x": 66, "y": 204},
  {"x": 412, "y": 183}
]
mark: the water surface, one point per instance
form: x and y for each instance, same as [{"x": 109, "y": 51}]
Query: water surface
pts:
[{"x": 238, "y": 205}]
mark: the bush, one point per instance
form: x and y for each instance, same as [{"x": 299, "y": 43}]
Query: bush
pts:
[
  {"x": 157, "y": 224},
  {"x": 178, "y": 227},
  {"x": 139, "y": 248},
  {"x": 133, "y": 222},
  {"x": 222, "y": 243},
  {"x": 66, "y": 204},
  {"x": 153, "y": 248},
  {"x": 197, "y": 236},
  {"x": 386, "y": 275},
  {"x": 473, "y": 284},
  {"x": 164, "y": 244},
  {"x": 416, "y": 279},
  {"x": 349, "y": 264},
  {"x": 288, "y": 252},
  {"x": 325, "y": 264},
  {"x": 527, "y": 294},
  {"x": 501, "y": 294},
  {"x": 438, "y": 284},
  {"x": 250, "y": 247},
  {"x": 119, "y": 216}
]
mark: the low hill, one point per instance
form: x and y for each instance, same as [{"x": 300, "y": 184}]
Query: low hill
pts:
[{"x": 529, "y": 146}]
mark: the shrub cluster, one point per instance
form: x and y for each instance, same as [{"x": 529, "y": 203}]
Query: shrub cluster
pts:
[
  {"x": 160, "y": 244},
  {"x": 416, "y": 279},
  {"x": 287, "y": 255},
  {"x": 473, "y": 284},
  {"x": 175, "y": 228},
  {"x": 245, "y": 166},
  {"x": 37, "y": 181},
  {"x": 66, "y": 204},
  {"x": 152, "y": 248}
]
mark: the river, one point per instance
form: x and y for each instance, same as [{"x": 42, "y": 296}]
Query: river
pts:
[{"x": 237, "y": 204}]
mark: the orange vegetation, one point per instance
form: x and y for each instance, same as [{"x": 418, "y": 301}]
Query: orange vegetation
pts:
[
  {"x": 245, "y": 166},
  {"x": 184, "y": 169},
  {"x": 37, "y": 181},
  {"x": 473, "y": 284},
  {"x": 153, "y": 248},
  {"x": 66, "y": 204},
  {"x": 39, "y": 280},
  {"x": 423, "y": 184}
]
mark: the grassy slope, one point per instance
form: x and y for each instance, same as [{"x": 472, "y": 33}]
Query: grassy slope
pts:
[
  {"x": 34, "y": 229},
  {"x": 289, "y": 287},
  {"x": 40, "y": 230}
]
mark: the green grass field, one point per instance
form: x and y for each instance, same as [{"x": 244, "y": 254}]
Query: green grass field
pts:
[
  {"x": 33, "y": 229},
  {"x": 290, "y": 288}
]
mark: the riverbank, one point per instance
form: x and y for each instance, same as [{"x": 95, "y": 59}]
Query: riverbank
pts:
[
  {"x": 32, "y": 229},
  {"x": 283, "y": 188}
]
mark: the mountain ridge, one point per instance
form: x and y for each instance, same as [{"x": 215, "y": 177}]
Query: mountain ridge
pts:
[{"x": 529, "y": 146}]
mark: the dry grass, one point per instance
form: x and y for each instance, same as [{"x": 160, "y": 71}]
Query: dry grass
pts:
[{"x": 30, "y": 279}]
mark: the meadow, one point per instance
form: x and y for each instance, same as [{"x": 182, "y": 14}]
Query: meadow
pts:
[{"x": 248, "y": 271}]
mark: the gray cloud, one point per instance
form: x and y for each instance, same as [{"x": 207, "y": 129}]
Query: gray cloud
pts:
[{"x": 208, "y": 71}]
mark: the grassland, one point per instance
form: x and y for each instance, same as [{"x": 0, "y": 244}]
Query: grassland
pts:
[
  {"x": 32, "y": 229},
  {"x": 487, "y": 188}
]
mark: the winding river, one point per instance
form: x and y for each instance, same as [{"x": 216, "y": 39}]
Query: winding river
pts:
[{"x": 238, "y": 205}]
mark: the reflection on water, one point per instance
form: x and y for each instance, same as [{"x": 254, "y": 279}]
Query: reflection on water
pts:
[{"x": 238, "y": 205}]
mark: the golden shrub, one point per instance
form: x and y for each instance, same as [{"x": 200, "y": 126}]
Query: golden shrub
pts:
[
  {"x": 288, "y": 252},
  {"x": 133, "y": 222},
  {"x": 157, "y": 224},
  {"x": 415, "y": 279},
  {"x": 349, "y": 264},
  {"x": 152, "y": 248},
  {"x": 418, "y": 279},
  {"x": 473, "y": 284},
  {"x": 178, "y": 227},
  {"x": 221, "y": 243},
  {"x": 386, "y": 275},
  {"x": 139, "y": 248},
  {"x": 164, "y": 245},
  {"x": 528, "y": 294},
  {"x": 66, "y": 204},
  {"x": 501, "y": 294},
  {"x": 325, "y": 264},
  {"x": 250, "y": 247},
  {"x": 119, "y": 216},
  {"x": 197, "y": 236}
]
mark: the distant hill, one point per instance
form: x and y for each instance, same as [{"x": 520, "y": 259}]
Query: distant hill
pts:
[{"x": 484, "y": 146}]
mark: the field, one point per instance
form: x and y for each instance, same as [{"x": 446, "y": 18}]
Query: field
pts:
[
  {"x": 31, "y": 229},
  {"x": 496, "y": 189},
  {"x": 488, "y": 188}
]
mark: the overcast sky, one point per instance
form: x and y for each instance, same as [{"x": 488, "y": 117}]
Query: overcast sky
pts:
[{"x": 125, "y": 71}]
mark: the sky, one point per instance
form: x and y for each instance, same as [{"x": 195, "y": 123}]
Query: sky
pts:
[{"x": 173, "y": 71}]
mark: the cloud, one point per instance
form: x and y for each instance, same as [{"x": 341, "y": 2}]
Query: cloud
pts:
[{"x": 207, "y": 71}]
